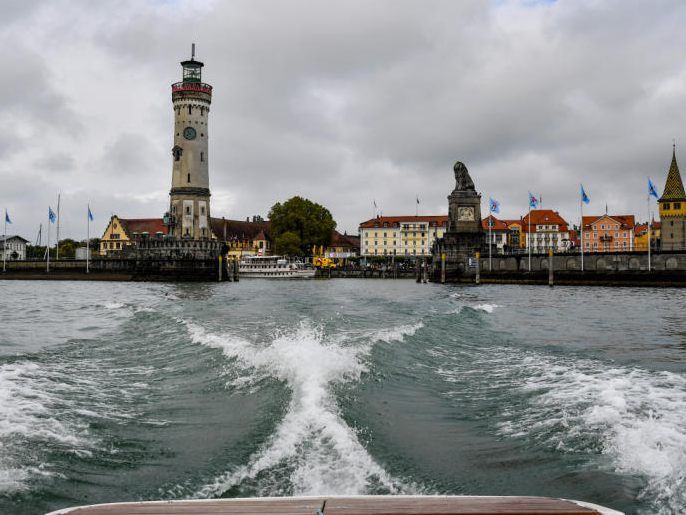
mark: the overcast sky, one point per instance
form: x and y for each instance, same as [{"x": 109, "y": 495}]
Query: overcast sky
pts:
[{"x": 343, "y": 102}]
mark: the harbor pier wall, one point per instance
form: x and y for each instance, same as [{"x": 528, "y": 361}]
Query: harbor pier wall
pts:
[
  {"x": 121, "y": 269},
  {"x": 607, "y": 269}
]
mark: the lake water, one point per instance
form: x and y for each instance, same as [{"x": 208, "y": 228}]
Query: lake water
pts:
[{"x": 128, "y": 391}]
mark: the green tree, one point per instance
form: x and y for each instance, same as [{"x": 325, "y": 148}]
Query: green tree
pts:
[
  {"x": 312, "y": 223},
  {"x": 288, "y": 244}
]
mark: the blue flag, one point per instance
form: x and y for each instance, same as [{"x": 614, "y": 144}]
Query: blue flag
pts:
[
  {"x": 584, "y": 198},
  {"x": 493, "y": 205},
  {"x": 51, "y": 215},
  {"x": 90, "y": 215},
  {"x": 652, "y": 192},
  {"x": 7, "y": 218},
  {"x": 533, "y": 201}
]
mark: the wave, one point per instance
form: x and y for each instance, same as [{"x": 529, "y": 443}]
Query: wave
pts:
[
  {"x": 395, "y": 334},
  {"x": 487, "y": 308},
  {"x": 312, "y": 444},
  {"x": 49, "y": 407},
  {"x": 634, "y": 418}
]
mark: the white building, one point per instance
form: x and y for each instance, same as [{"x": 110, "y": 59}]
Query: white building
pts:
[
  {"x": 12, "y": 248},
  {"x": 409, "y": 236},
  {"x": 548, "y": 231}
]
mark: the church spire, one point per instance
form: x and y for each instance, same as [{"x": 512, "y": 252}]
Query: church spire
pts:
[{"x": 674, "y": 187}]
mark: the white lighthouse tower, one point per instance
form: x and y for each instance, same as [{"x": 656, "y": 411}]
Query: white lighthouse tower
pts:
[{"x": 189, "y": 211}]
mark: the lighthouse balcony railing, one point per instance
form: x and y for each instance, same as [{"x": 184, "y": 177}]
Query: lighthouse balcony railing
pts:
[{"x": 192, "y": 86}]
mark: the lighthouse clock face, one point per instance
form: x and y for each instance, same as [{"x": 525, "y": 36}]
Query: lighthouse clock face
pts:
[{"x": 189, "y": 133}]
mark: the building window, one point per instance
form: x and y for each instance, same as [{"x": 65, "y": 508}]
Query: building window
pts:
[
  {"x": 202, "y": 211},
  {"x": 666, "y": 206},
  {"x": 202, "y": 156},
  {"x": 189, "y": 177},
  {"x": 677, "y": 205},
  {"x": 189, "y": 109},
  {"x": 188, "y": 212}
]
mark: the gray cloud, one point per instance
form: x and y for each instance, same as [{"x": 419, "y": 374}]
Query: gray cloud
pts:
[{"x": 343, "y": 102}]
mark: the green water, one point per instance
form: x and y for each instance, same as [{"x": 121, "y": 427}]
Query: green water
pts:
[{"x": 124, "y": 391}]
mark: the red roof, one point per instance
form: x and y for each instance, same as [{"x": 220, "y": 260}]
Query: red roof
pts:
[
  {"x": 498, "y": 225},
  {"x": 544, "y": 217},
  {"x": 140, "y": 225},
  {"x": 574, "y": 237},
  {"x": 640, "y": 229},
  {"x": 395, "y": 221},
  {"x": 343, "y": 240},
  {"x": 625, "y": 221}
]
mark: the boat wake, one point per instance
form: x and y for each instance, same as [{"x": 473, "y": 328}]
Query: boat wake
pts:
[
  {"x": 634, "y": 418},
  {"x": 46, "y": 410},
  {"x": 312, "y": 445}
]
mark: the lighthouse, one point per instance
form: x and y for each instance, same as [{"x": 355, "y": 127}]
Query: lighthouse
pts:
[{"x": 189, "y": 210}]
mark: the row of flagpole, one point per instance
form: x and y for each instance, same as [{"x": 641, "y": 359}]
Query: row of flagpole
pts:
[
  {"x": 52, "y": 218},
  {"x": 494, "y": 207}
]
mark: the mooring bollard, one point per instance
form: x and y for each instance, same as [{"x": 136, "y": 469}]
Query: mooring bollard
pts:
[
  {"x": 550, "y": 267},
  {"x": 478, "y": 268}
]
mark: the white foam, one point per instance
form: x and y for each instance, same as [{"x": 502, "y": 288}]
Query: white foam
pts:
[
  {"x": 114, "y": 305},
  {"x": 488, "y": 308},
  {"x": 635, "y": 417},
  {"x": 47, "y": 405},
  {"x": 396, "y": 334},
  {"x": 321, "y": 452}
]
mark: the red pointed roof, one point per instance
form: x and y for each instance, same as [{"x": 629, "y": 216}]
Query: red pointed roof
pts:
[
  {"x": 143, "y": 225},
  {"x": 544, "y": 217},
  {"x": 498, "y": 225},
  {"x": 625, "y": 221}
]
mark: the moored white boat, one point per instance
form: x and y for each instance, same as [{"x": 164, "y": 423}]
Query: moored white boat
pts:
[{"x": 274, "y": 267}]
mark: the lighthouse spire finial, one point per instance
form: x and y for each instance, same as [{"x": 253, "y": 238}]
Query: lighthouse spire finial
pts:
[{"x": 192, "y": 51}]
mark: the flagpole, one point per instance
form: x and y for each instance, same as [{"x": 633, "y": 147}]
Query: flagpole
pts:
[
  {"x": 490, "y": 225},
  {"x": 88, "y": 235},
  {"x": 47, "y": 247},
  {"x": 4, "y": 244},
  {"x": 528, "y": 235},
  {"x": 57, "y": 243},
  {"x": 649, "y": 231},
  {"x": 581, "y": 229}
]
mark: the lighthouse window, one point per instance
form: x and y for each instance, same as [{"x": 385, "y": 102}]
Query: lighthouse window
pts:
[
  {"x": 202, "y": 156},
  {"x": 202, "y": 210},
  {"x": 189, "y": 177},
  {"x": 189, "y": 109},
  {"x": 188, "y": 210}
]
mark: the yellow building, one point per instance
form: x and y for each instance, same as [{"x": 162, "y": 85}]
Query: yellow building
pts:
[
  {"x": 641, "y": 236},
  {"x": 673, "y": 210},
  {"x": 514, "y": 236},
  {"x": 121, "y": 233},
  {"x": 409, "y": 236}
]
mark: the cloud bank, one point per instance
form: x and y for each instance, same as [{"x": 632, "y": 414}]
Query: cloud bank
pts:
[{"x": 341, "y": 102}]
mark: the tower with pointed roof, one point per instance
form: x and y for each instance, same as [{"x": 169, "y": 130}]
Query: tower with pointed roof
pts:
[{"x": 673, "y": 209}]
